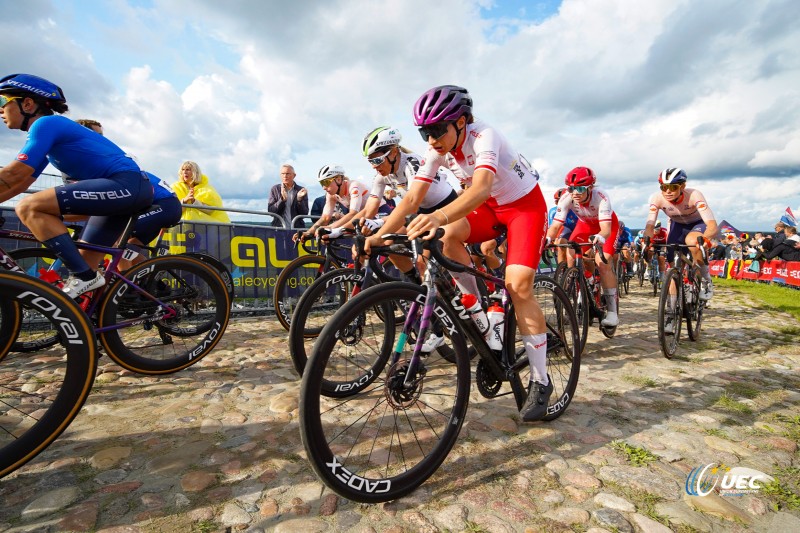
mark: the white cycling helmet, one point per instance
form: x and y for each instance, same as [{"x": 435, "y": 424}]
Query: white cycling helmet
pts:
[
  {"x": 380, "y": 138},
  {"x": 329, "y": 171}
]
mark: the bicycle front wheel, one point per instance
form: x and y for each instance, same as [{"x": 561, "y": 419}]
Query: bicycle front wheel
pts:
[
  {"x": 577, "y": 291},
  {"x": 380, "y": 442},
  {"x": 693, "y": 309},
  {"x": 40, "y": 396},
  {"x": 36, "y": 332},
  {"x": 325, "y": 296},
  {"x": 293, "y": 280},
  {"x": 670, "y": 313},
  {"x": 185, "y": 323}
]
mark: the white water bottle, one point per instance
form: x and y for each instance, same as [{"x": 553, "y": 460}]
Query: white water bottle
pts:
[
  {"x": 494, "y": 337},
  {"x": 475, "y": 310}
]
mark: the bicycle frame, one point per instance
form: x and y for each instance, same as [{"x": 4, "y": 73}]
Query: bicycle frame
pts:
[
  {"x": 111, "y": 272},
  {"x": 437, "y": 281}
]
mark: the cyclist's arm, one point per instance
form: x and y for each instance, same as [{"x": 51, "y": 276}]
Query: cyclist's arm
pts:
[
  {"x": 408, "y": 205},
  {"x": 554, "y": 230},
  {"x": 371, "y": 209},
  {"x": 605, "y": 229},
  {"x": 712, "y": 230},
  {"x": 15, "y": 178}
]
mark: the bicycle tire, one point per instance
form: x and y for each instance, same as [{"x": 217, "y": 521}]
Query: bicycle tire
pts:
[
  {"x": 326, "y": 295},
  {"x": 669, "y": 343},
  {"x": 577, "y": 291},
  {"x": 42, "y": 395},
  {"x": 558, "y": 274},
  {"x": 223, "y": 271},
  {"x": 640, "y": 272},
  {"x": 693, "y": 310},
  {"x": 563, "y": 345},
  {"x": 36, "y": 332},
  {"x": 10, "y": 322},
  {"x": 285, "y": 296},
  {"x": 396, "y": 453},
  {"x": 152, "y": 344}
]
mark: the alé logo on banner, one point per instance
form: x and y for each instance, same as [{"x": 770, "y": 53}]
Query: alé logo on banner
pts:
[{"x": 736, "y": 481}]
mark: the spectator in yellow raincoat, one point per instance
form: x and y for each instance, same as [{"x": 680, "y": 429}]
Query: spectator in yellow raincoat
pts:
[{"x": 193, "y": 188}]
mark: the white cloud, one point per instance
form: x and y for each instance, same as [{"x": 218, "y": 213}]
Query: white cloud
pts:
[
  {"x": 788, "y": 156},
  {"x": 709, "y": 86}
]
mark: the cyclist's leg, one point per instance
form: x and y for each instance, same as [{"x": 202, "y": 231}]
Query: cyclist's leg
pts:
[
  {"x": 477, "y": 227},
  {"x": 525, "y": 220},
  {"x": 164, "y": 213}
]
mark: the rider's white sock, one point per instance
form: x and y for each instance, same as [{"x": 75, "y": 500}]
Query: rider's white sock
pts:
[
  {"x": 611, "y": 300},
  {"x": 705, "y": 273},
  {"x": 536, "y": 349},
  {"x": 466, "y": 282}
]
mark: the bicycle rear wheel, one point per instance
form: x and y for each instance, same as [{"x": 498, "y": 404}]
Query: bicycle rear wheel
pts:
[
  {"x": 36, "y": 332},
  {"x": 380, "y": 442},
  {"x": 669, "y": 314},
  {"x": 293, "y": 280},
  {"x": 40, "y": 395},
  {"x": 140, "y": 335},
  {"x": 640, "y": 272},
  {"x": 323, "y": 298}
]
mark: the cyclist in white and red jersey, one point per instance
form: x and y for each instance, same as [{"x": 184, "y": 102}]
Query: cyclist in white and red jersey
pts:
[
  {"x": 503, "y": 195},
  {"x": 690, "y": 218},
  {"x": 352, "y": 194},
  {"x": 396, "y": 168},
  {"x": 597, "y": 222}
]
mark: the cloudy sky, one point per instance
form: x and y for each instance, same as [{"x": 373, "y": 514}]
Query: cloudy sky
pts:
[{"x": 624, "y": 87}]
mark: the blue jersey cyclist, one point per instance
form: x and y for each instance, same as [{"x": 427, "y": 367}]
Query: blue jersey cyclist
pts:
[
  {"x": 108, "y": 183},
  {"x": 165, "y": 211},
  {"x": 623, "y": 246}
]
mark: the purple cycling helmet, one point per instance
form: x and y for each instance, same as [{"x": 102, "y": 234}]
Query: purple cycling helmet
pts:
[{"x": 442, "y": 103}]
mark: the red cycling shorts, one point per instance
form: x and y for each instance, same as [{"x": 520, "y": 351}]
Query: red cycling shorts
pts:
[
  {"x": 525, "y": 224},
  {"x": 583, "y": 230}
]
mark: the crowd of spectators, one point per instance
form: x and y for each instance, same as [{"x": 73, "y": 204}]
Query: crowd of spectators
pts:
[{"x": 784, "y": 244}]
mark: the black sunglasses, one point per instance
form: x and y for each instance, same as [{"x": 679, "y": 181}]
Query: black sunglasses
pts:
[{"x": 434, "y": 130}]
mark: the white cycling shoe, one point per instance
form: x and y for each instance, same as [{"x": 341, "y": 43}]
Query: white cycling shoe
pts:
[
  {"x": 706, "y": 291},
  {"x": 74, "y": 287},
  {"x": 433, "y": 341},
  {"x": 611, "y": 319}
]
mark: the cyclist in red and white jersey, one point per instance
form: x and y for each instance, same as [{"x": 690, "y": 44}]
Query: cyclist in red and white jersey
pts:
[
  {"x": 503, "y": 194},
  {"x": 352, "y": 194},
  {"x": 690, "y": 218},
  {"x": 597, "y": 222},
  {"x": 396, "y": 168}
]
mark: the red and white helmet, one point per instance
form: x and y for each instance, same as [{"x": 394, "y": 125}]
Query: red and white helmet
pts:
[{"x": 580, "y": 176}]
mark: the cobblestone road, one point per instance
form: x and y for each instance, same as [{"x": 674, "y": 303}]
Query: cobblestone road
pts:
[{"x": 217, "y": 446}]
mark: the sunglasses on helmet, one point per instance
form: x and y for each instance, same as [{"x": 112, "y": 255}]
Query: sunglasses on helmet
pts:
[
  {"x": 434, "y": 130},
  {"x": 377, "y": 159},
  {"x": 580, "y": 189},
  {"x": 672, "y": 187}
]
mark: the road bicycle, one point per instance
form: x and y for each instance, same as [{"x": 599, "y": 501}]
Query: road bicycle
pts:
[
  {"x": 641, "y": 267},
  {"x": 623, "y": 275},
  {"x": 326, "y": 295},
  {"x": 585, "y": 292},
  {"x": 391, "y": 414},
  {"x": 301, "y": 272},
  {"x": 680, "y": 299},
  {"x": 40, "y": 394},
  {"x": 160, "y": 316}
]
